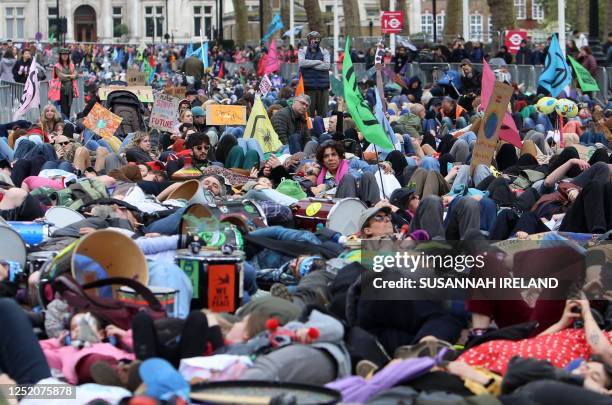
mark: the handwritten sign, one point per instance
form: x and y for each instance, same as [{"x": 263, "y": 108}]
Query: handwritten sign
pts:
[
  {"x": 178, "y": 92},
  {"x": 165, "y": 112},
  {"x": 135, "y": 77},
  {"x": 219, "y": 114},
  {"x": 102, "y": 122},
  {"x": 144, "y": 93},
  {"x": 486, "y": 143}
]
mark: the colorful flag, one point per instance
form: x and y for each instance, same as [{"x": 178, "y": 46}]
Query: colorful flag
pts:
[
  {"x": 31, "y": 92},
  {"x": 204, "y": 54},
  {"x": 265, "y": 85},
  {"x": 585, "y": 80},
  {"x": 148, "y": 69},
  {"x": 300, "y": 90},
  {"x": 380, "y": 116},
  {"x": 557, "y": 74},
  {"x": 260, "y": 127},
  {"x": 509, "y": 134},
  {"x": 189, "y": 50},
  {"x": 269, "y": 62},
  {"x": 275, "y": 25},
  {"x": 220, "y": 74},
  {"x": 359, "y": 109}
]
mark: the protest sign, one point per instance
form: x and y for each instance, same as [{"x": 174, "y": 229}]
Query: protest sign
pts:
[
  {"x": 586, "y": 81},
  {"x": 135, "y": 77},
  {"x": 220, "y": 114},
  {"x": 165, "y": 113},
  {"x": 178, "y": 92},
  {"x": 488, "y": 134},
  {"x": 144, "y": 93},
  {"x": 102, "y": 122}
]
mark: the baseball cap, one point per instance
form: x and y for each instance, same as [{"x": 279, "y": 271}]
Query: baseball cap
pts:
[
  {"x": 371, "y": 212},
  {"x": 198, "y": 111}
]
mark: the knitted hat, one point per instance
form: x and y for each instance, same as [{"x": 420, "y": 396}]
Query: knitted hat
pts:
[{"x": 291, "y": 188}]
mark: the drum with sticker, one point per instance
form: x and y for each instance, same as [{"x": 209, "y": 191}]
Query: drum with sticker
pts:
[
  {"x": 165, "y": 295},
  {"x": 217, "y": 278},
  {"x": 340, "y": 215},
  {"x": 247, "y": 215}
]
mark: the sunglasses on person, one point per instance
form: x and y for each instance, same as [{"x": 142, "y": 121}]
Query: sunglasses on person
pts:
[
  {"x": 381, "y": 218},
  {"x": 201, "y": 147},
  {"x": 64, "y": 143}
]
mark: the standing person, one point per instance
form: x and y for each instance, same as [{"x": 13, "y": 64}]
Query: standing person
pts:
[
  {"x": 63, "y": 87},
  {"x": 586, "y": 58},
  {"x": 315, "y": 64},
  {"x": 6, "y": 66},
  {"x": 22, "y": 67},
  {"x": 400, "y": 59},
  {"x": 504, "y": 54},
  {"x": 524, "y": 56}
]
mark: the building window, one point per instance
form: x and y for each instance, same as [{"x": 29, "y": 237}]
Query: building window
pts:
[
  {"x": 202, "y": 21},
  {"x": 372, "y": 12},
  {"x": 52, "y": 18},
  {"x": 15, "y": 20},
  {"x": 490, "y": 28},
  {"x": 154, "y": 21},
  {"x": 537, "y": 10},
  {"x": 440, "y": 23},
  {"x": 521, "y": 9},
  {"x": 427, "y": 25},
  {"x": 117, "y": 22},
  {"x": 476, "y": 27}
]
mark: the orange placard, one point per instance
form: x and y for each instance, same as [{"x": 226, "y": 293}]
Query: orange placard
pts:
[
  {"x": 221, "y": 287},
  {"x": 220, "y": 114},
  {"x": 102, "y": 122}
]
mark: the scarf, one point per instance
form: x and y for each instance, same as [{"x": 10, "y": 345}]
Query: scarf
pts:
[{"x": 342, "y": 170}]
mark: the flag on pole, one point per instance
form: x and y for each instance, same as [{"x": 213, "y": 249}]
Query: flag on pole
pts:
[
  {"x": 509, "y": 134},
  {"x": 585, "y": 80},
  {"x": 265, "y": 85},
  {"x": 300, "y": 90},
  {"x": 557, "y": 74},
  {"x": 189, "y": 50},
  {"x": 269, "y": 62},
  {"x": 204, "y": 54},
  {"x": 275, "y": 25},
  {"x": 260, "y": 127},
  {"x": 148, "y": 69},
  {"x": 359, "y": 109},
  {"x": 31, "y": 92}
]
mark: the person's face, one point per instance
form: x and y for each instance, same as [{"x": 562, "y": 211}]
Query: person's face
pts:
[
  {"x": 212, "y": 184},
  {"x": 145, "y": 144},
  {"x": 447, "y": 106},
  {"x": 200, "y": 151},
  {"x": 594, "y": 374},
  {"x": 301, "y": 106},
  {"x": 415, "y": 84},
  {"x": 59, "y": 129},
  {"x": 26, "y": 55},
  {"x": 413, "y": 203},
  {"x": 332, "y": 124},
  {"x": 379, "y": 225},
  {"x": 331, "y": 159},
  {"x": 402, "y": 51},
  {"x": 64, "y": 145},
  {"x": 314, "y": 42},
  {"x": 74, "y": 326},
  {"x": 49, "y": 113},
  {"x": 264, "y": 182},
  {"x": 187, "y": 117},
  {"x": 199, "y": 119},
  {"x": 467, "y": 70}
]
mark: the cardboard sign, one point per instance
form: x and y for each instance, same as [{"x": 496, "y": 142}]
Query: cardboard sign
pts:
[
  {"x": 488, "y": 133},
  {"x": 102, "y": 122},
  {"x": 221, "y": 287},
  {"x": 178, "y": 92},
  {"x": 219, "y": 114},
  {"x": 144, "y": 93},
  {"x": 135, "y": 77},
  {"x": 165, "y": 113}
]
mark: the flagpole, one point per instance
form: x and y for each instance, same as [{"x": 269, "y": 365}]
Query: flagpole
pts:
[
  {"x": 382, "y": 185},
  {"x": 561, "y": 18},
  {"x": 392, "y": 36},
  {"x": 336, "y": 34},
  {"x": 291, "y": 24}
]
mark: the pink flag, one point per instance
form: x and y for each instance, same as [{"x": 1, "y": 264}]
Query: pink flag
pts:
[
  {"x": 511, "y": 133},
  {"x": 31, "y": 92},
  {"x": 271, "y": 62}
]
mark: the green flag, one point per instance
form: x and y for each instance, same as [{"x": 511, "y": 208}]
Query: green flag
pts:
[
  {"x": 586, "y": 81},
  {"x": 148, "y": 69},
  {"x": 359, "y": 109},
  {"x": 52, "y": 38},
  {"x": 336, "y": 86}
]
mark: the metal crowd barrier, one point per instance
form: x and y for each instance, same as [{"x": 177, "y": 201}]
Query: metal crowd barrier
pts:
[{"x": 10, "y": 96}]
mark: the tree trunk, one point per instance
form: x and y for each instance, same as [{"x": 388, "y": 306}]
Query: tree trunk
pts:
[
  {"x": 352, "y": 22},
  {"x": 502, "y": 18},
  {"x": 284, "y": 12},
  {"x": 242, "y": 21},
  {"x": 453, "y": 26},
  {"x": 267, "y": 14},
  {"x": 607, "y": 25},
  {"x": 402, "y": 5},
  {"x": 313, "y": 14},
  {"x": 384, "y": 5},
  {"x": 582, "y": 17}
]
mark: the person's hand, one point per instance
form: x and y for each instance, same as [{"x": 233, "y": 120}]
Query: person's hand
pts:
[
  {"x": 318, "y": 189},
  {"x": 568, "y": 316},
  {"x": 447, "y": 199},
  {"x": 266, "y": 170},
  {"x": 521, "y": 235},
  {"x": 582, "y": 165},
  {"x": 62, "y": 336},
  {"x": 572, "y": 194},
  {"x": 454, "y": 170},
  {"x": 86, "y": 230},
  {"x": 112, "y": 330},
  {"x": 4, "y": 271},
  {"x": 254, "y": 173},
  {"x": 174, "y": 137},
  {"x": 387, "y": 168},
  {"x": 273, "y": 162}
]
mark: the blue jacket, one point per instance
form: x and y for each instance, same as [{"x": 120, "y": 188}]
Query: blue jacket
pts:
[{"x": 315, "y": 76}]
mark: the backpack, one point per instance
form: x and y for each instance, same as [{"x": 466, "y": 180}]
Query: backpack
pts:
[{"x": 80, "y": 193}]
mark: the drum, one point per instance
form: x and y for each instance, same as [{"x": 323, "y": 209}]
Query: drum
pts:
[
  {"x": 32, "y": 233},
  {"x": 60, "y": 217},
  {"x": 217, "y": 278},
  {"x": 339, "y": 215},
  {"x": 166, "y": 297},
  {"x": 12, "y": 247},
  {"x": 247, "y": 215},
  {"x": 37, "y": 260}
]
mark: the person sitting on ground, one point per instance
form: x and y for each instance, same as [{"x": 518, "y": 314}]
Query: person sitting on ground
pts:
[{"x": 290, "y": 124}]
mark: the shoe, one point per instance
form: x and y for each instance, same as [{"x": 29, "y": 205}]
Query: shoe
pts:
[
  {"x": 144, "y": 336},
  {"x": 280, "y": 290},
  {"x": 428, "y": 348},
  {"x": 366, "y": 369}
]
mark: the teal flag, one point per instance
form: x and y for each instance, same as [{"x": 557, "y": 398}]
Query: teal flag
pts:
[
  {"x": 360, "y": 111},
  {"x": 585, "y": 80},
  {"x": 557, "y": 74}
]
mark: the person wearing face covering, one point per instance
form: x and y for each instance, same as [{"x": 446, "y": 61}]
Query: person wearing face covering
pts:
[{"x": 314, "y": 67}]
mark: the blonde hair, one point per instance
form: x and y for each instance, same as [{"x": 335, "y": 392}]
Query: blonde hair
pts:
[
  {"x": 43, "y": 121},
  {"x": 137, "y": 138},
  {"x": 183, "y": 114}
]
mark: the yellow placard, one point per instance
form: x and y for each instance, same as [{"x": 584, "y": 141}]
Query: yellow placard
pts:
[
  {"x": 313, "y": 208},
  {"x": 220, "y": 114}
]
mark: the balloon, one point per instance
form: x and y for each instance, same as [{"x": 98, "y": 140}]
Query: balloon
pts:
[
  {"x": 546, "y": 105},
  {"x": 566, "y": 108}
]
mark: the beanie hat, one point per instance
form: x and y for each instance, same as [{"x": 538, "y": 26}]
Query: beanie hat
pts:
[{"x": 291, "y": 188}]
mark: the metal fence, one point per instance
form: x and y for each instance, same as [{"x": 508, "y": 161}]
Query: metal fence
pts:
[{"x": 10, "y": 96}]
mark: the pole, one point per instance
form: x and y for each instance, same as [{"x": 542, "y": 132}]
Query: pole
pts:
[
  {"x": 382, "y": 183},
  {"x": 261, "y": 21},
  {"x": 561, "y": 17},
  {"x": 336, "y": 33},
  {"x": 291, "y": 23},
  {"x": 392, "y": 36},
  {"x": 466, "y": 19},
  {"x": 593, "y": 22},
  {"x": 435, "y": 26},
  {"x": 57, "y": 25},
  {"x": 220, "y": 21}
]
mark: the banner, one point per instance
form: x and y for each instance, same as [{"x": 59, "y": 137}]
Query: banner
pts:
[
  {"x": 260, "y": 127},
  {"x": 269, "y": 62},
  {"x": 31, "y": 92},
  {"x": 178, "y": 92},
  {"x": 359, "y": 109},
  {"x": 165, "y": 113},
  {"x": 144, "y": 93},
  {"x": 102, "y": 122},
  {"x": 265, "y": 85},
  {"x": 557, "y": 74},
  {"x": 488, "y": 134},
  {"x": 585, "y": 80},
  {"x": 134, "y": 77},
  {"x": 275, "y": 25},
  {"x": 221, "y": 114}
]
